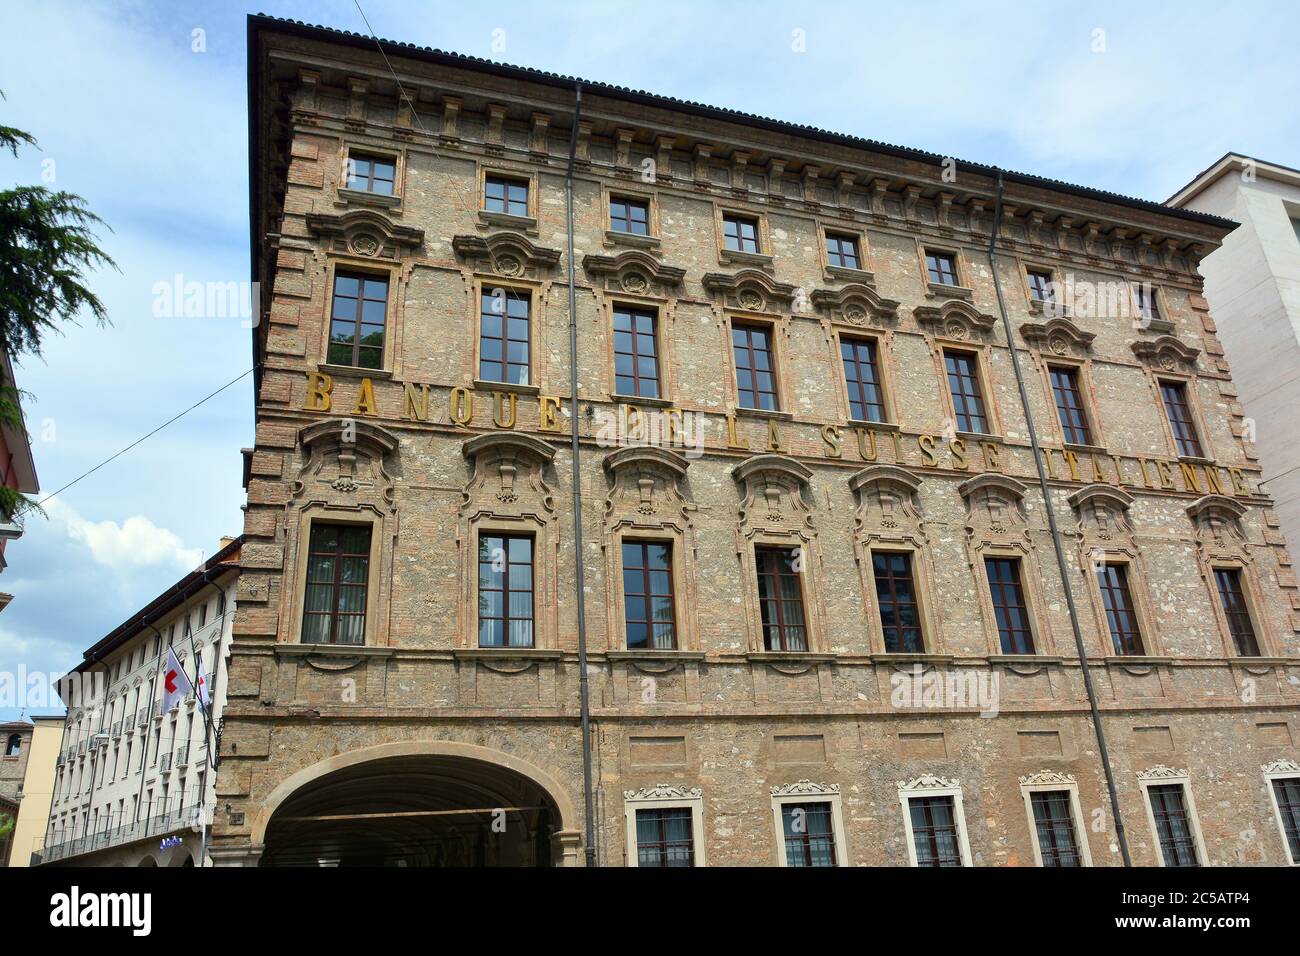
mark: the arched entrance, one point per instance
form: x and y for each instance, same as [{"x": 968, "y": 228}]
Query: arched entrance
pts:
[{"x": 467, "y": 807}]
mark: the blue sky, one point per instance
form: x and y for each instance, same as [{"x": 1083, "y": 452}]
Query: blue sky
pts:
[{"x": 1134, "y": 98}]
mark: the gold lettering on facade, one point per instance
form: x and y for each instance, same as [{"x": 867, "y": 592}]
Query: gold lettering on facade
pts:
[
  {"x": 1166, "y": 473},
  {"x": 926, "y": 444},
  {"x": 1146, "y": 478},
  {"x": 862, "y": 448},
  {"x": 319, "y": 387},
  {"x": 546, "y": 412},
  {"x": 732, "y": 440},
  {"x": 992, "y": 456},
  {"x": 460, "y": 408},
  {"x": 1098, "y": 474},
  {"x": 1071, "y": 462},
  {"x": 1212, "y": 481},
  {"x": 773, "y": 437},
  {"x": 365, "y": 403},
  {"x": 958, "y": 449},
  {"x": 1047, "y": 461},
  {"x": 1190, "y": 481},
  {"x": 1239, "y": 486},
  {"x": 831, "y": 436},
  {"x": 499, "y": 403},
  {"x": 416, "y": 404}
]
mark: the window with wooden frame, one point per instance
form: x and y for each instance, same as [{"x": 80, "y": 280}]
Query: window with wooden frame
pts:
[
  {"x": 1121, "y": 614},
  {"x": 648, "y": 604},
  {"x": 338, "y": 577},
  {"x": 1174, "y": 396},
  {"x": 1173, "y": 824},
  {"x": 372, "y": 174},
  {"x": 357, "y": 317},
  {"x": 1286, "y": 797},
  {"x": 862, "y": 379},
  {"x": 1040, "y": 285},
  {"x": 1236, "y": 610},
  {"x": 665, "y": 837},
  {"x": 1070, "y": 410},
  {"x": 935, "y": 838},
  {"x": 636, "y": 353},
  {"x": 1147, "y": 300},
  {"x": 896, "y": 599},
  {"x": 505, "y": 195},
  {"x": 941, "y": 267},
  {"x": 505, "y": 346},
  {"x": 755, "y": 368},
  {"x": 629, "y": 215},
  {"x": 780, "y": 597},
  {"x": 1054, "y": 827},
  {"x": 740, "y": 233},
  {"x": 809, "y": 832},
  {"x": 962, "y": 369},
  {"x": 842, "y": 251},
  {"x": 505, "y": 590},
  {"x": 1010, "y": 609}
]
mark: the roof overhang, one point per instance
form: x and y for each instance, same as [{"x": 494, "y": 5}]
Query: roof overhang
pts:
[{"x": 1230, "y": 163}]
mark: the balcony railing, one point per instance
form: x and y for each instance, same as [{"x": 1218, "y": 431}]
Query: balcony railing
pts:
[
  {"x": 183, "y": 755},
  {"x": 117, "y": 729},
  {"x": 165, "y": 763},
  {"x": 160, "y": 823},
  {"x": 142, "y": 716}
]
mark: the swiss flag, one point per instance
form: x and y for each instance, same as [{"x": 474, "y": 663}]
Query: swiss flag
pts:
[{"x": 176, "y": 685}]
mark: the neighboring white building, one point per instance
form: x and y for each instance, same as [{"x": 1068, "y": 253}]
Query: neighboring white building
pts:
[
  {"x": 1252, "y": 283},
  {"x": 131, "y": 783}
]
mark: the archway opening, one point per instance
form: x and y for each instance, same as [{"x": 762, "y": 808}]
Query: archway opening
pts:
[{"x": 418, "y": 810}]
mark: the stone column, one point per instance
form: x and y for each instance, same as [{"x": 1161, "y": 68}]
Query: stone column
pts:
[
  {"x": 237, "y": 854},
  {"x": 565, "y": 846}
]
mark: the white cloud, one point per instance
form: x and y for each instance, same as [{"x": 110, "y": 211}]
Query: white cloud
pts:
[{"x": 135, "y": 542}]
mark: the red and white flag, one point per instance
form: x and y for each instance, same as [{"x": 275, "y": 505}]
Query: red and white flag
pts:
[
  {"x": 203, "y": 689},
  {"x": 176, "y": 685}
]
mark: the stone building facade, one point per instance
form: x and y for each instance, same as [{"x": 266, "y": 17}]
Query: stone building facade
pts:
[{"x": 824, "y": 618}]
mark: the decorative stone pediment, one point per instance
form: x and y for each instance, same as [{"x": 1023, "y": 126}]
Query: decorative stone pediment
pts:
[
  {"x": 664, "y": 791},
  {"x": 1161, "y": 772},
  {"x": 1102, "y": 511},
  {"x": 855, "y": 304},
  {"x": 646, "y": 484},
  {"x": 1166, "y": 353},
  {"x": 776, "y": 491},
  {"x": 365, "y": 232},
  {"x": 1057, "y": 335},
  {"x": 888, "y": 498},
  {"x": 1281, "y": 766},
  {"x": 928, "y": 781},
  {"x": 1217, "y": 519},
  {"x": 511, "y": 467},
  {"x": 805, "y": 788},
  {"x": 995, "y": 504},
  {"x": 506, "y": 254},
  {"x": 634, "y": 272},
  {"x": 1046, "y": 778},
  {"x": 955, "y": 319},
  {"x": 751, "y": 290},
  {"x": 344, "y": 461}
]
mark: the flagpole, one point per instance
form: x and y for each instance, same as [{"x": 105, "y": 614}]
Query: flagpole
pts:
[{"x": 207, "y": 729}]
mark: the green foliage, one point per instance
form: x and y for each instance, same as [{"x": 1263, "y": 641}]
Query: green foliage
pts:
[{"x": 6, "y": 825}]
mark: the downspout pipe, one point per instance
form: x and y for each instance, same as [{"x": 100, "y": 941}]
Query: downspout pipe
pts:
[
  {"x": 1061, "y": 564},
  {"x": 584, "y": 688}
]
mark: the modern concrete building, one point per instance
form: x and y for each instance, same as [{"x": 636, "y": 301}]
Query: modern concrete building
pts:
[
  {"x": 133, "y": 785},
  {"x": 1252, "y": 283},
  {"x": 776, "y": 583},
  {"x": 33, "y": 810}
]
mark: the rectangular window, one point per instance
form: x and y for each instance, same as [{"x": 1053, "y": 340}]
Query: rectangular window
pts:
[
  {"x": 629, "y": 215},
  {"x": 504, "y": 341},
  {"x": 1040, "y": 285},
  {"x": 1287, "y": 793},
  {"x": 740, "y": 233},
  {"x": 509, "y": 196},
  {"x": 664, "y": 837},
  {"x": 338, "y": 576},
  {"x": 1147, "y": 303},
  {"x": 636, "y": 359},
  {"x": 1174, "y": 395},
  {"x": 1054, "y": 822},
  {"x": 934, "y": 831},
  {"x": 780, "y": 596},
  {"x": 964, "y": 386},
  {"x": 942, "y": 267},
  {"x": 1009, "y": 607},
  {"x": 1069, "y": 404},
  {"x": 900, "y": 614},
  {"x": 842, "y": 251},
  {"x": 1120, "y": 614},
  {"x": 357, "y": 320},
  {"x": 1173, "y": 826},
  {"x": 755, "y": 374},
  {"x": 505, "y": 590},
  {"x": 373, "y": 174},
  {"x": 862, "y": 376},
  {"x": 809, "y": 831},
  {"x": 1237, "y": 612},
  {"x": 648, "y": 595}
]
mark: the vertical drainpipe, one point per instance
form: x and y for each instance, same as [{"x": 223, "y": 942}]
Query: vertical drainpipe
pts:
[
  {"x": 584, "y": 689},
  {"x": 1056, "y": 536}
]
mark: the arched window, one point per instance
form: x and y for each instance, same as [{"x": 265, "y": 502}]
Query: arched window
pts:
[{"x": 13, "y": 745}]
